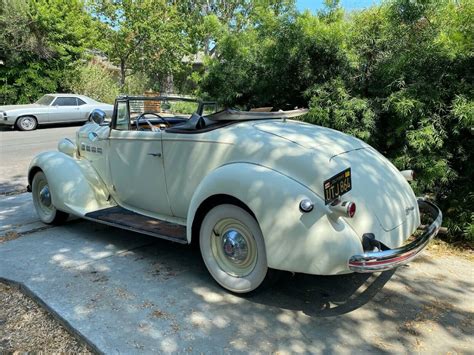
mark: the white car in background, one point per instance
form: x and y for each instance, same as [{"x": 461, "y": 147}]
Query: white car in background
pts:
[{"x": 51, "y": 108}]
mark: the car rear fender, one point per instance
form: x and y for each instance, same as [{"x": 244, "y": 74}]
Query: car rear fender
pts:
[
  {"x": 295, "y": 241},
  {"x": 74, "y": 184}
]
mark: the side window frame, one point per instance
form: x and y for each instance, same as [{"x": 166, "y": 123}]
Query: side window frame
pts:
[
  {"x": 80, "y": 102},
  {"x": 115, "y": 115},
  {"x": 64, "y": 97}
]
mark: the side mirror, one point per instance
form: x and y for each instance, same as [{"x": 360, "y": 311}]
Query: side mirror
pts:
[
  {"x": 93, "y": 136},
  {"x": 97, "y": 116}
]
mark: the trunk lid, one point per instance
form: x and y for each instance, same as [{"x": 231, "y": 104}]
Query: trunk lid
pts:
[
  {"x": 311, "y": 136},
  {"x": 384, "y": 192}
]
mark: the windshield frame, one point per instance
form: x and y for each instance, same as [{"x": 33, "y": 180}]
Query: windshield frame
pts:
[{"x": 200, "y": 103}]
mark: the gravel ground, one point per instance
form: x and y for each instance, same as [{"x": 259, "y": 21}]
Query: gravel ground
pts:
[{"x": 25, "y": 326}]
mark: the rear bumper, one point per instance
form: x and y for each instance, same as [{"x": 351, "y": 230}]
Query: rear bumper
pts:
[{"x": 392, "y": 258}]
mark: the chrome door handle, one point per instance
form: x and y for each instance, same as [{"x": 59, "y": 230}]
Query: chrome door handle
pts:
[{"x": 155, "y": 154}]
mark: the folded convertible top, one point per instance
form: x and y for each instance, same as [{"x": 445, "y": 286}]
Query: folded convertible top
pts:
[{"x": 236, "y": 115}]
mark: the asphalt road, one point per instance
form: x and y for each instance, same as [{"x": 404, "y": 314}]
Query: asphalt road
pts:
[{"x": 18, "y": 148}]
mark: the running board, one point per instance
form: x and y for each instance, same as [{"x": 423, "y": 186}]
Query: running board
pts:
[{"x": 122, "y": 218}]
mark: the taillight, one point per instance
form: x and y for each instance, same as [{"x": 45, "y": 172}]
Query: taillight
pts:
[
  {"x": 351, "y": 209},
  {"x": 345, "y": 208}
]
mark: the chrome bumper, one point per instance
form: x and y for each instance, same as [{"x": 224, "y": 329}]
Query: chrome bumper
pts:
[{"x": 392, "y": 258}]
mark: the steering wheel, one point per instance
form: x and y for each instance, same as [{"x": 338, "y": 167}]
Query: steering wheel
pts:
[{"x": 142, "y": 117}]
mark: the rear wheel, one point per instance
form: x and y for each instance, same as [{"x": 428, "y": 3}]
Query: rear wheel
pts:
[
  {"x": 233, "y": 248},
  {"x": 26, "y": 123},
  {"x": 43, "y": 202}
]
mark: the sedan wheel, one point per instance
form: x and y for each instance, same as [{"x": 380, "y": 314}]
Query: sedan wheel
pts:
[
  {"x": 26, "y": 123},
  {"x": 43, "y": 203},
  {"x": 233, "y": 248}
]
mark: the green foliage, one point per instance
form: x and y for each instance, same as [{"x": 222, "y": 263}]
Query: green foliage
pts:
[
  {"x": 332, "y": 106},
  {"x": 143, "y": 36},
  {"x": 40, "y": 43},
  {"x": 94, "y": 81},
  {"x": 398, "y": 75},
  {"x": 136, "y": 84},
  {"x": 182, "y": 107}
]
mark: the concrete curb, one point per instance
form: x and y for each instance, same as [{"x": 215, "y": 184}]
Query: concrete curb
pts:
[{"x": 28, "y": 293}]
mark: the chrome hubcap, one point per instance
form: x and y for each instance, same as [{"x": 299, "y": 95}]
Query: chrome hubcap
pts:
[
  {"x": 45, "y": 196},
  {"x": 27, "y": 123},
  {"x": 235, "y": 247}
]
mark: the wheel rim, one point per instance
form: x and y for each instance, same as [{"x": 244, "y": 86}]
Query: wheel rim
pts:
[
  {"x": 233, "y": 247},
  {"x": 27, "y": 123},
  {"x": 43, "y": 198}
]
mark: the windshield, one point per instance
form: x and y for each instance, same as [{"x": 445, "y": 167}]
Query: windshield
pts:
[
  {"x": 164, "y": 108},
  {"x": 45, "y": 100}
]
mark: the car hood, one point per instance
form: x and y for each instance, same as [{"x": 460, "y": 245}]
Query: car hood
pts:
[
  {"x": 19, "y": 107},
  {"x": 312, "y": 137}
]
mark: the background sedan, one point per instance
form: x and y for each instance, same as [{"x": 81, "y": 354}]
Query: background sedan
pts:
[{"x": 51, "y": 108}]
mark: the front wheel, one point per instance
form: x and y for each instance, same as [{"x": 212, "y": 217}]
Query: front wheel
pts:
[
  {"x": 233, "y": 248},
  {"x": 26, "y": 123},
  {"x": 43, "y": 202}
]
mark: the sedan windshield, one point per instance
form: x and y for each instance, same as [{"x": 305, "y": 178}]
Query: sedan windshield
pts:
[{"x": 45, "y": 100}]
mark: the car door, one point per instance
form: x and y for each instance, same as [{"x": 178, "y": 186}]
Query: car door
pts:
[
  {"x": 136, "y": 166},
  {"x": 85, "y": 109},
  {"x": 64, "y": 109}
]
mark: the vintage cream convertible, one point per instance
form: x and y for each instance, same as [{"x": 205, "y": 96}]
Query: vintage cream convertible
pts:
[{"x": 256, "y": 190}]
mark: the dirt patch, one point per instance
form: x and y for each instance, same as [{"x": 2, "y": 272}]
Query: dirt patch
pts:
[
  {"x": 9, "y": 235},
  {"x": 25, "y": 326},
  {"x": 15, "y": 191},
  {"x": 439, "y": 247}
]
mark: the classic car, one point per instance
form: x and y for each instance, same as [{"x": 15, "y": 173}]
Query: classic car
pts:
[
  {"x": 256, "y": 190},
  {"x": 51, "y": 108}
]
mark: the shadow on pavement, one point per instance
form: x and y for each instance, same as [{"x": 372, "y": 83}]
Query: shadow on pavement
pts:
[
  {"x": 15, "y": 185},
  {"x": 315, "y": 296},
  {"x": 162, "y": 296},
  {"x": 323, "y": 296}
]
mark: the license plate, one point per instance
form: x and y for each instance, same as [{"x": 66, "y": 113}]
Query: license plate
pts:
[{"x": 337, "y": 186}]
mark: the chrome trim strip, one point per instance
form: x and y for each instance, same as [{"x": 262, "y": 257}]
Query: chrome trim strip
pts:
[{"x": 390, "y": 259}]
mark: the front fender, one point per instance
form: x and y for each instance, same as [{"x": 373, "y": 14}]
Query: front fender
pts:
[
  {"x": 311, "y": 242},
  {"x": 74, "y": 184}
]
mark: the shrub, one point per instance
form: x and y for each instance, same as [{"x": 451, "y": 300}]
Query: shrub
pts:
[{"x": 94, "y": 81}]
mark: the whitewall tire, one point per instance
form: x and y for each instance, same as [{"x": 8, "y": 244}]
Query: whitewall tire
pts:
[
  {"x": 43, "y": 202},
  {"x": 233, "y": 248}
]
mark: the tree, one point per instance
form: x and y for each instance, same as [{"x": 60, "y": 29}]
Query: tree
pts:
[
  {"x": 143, "y": 36},
  {"x": 41, "y": 40}
]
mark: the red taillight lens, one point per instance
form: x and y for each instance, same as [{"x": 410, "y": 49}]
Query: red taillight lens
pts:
[
  {"x": 351, "y": 209},
  {"x": 345, "y": 208}
]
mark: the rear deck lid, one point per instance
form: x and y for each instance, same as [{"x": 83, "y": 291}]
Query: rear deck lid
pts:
[
  {"x": 382, "y": 190},
  {"x": 311, "y": 136}
]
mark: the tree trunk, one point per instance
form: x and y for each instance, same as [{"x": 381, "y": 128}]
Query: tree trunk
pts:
[{"x": 122, "y": 74}]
